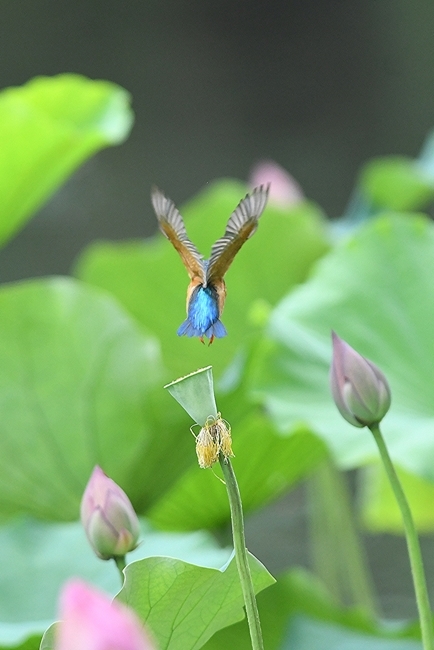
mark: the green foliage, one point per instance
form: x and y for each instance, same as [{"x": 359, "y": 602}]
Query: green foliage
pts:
[
  {"x": 397, "y": 183},
  {"x": 38, "y": 557},
  {"x": 376, "y": 291},
  {"x": 82, "y": 364},
  {"x": 184, "y": 604},
  {"x": 48, "y": 638},
  {"x": 74, "y": 373},
  {"x": 298, "y": 614},
  {"x": 265, "y": 463},
  {"x": 20, "y": 637},
  {"x": 48, "y": 127},
  {"x": 380, "y": 512},
  {"x": 31, "y": 640}
]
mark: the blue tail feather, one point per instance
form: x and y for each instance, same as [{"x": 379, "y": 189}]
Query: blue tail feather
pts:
[
  {"x": 187, "y": 329},
  {"x": 217, "y": 329},
  {"x": 203, "y": 315}
]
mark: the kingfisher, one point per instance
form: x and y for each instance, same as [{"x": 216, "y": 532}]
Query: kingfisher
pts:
[{"x": 206, "y": 292}]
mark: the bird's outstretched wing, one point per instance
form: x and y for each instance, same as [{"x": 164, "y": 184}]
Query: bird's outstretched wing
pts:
[
  {"x": 172, "y": 226},
  {"x": 241, "y": 225}
]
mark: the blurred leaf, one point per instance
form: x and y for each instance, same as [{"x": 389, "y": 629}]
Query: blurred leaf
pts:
[
  {"x": 38, "y": 558},
  {"x": 307, "y": 634},
  {"x": 298, "y": 607},
  {"x": 75, "y": 378},
  {"x": 48, "y": 638},
  {"x": 379, "y": 510},
  {"x": 183, "y": 604},
  {"x": 266, "y": 465},
  {"x": 376, "y": 291},
  {"x": 275, "y": 607},
  {"x": 397, "y": 183},
  {"x": 48, "y": 127},
  {"x": 24, "y": 636},
  {"x": 31, "y": 643},
  {"x": 151, "y": 282},
  {"x": 169, "y": 451}
]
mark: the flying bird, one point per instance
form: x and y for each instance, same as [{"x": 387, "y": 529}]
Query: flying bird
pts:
[{"x": 206, "y": 292}]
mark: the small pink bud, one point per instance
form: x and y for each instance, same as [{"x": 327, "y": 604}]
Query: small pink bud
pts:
[
  {"x": 108, "y": 517},
  {"x": 90, "y": 621},
  {"x": 359, "y": 388},
  {"x": 284, "y": 189}
]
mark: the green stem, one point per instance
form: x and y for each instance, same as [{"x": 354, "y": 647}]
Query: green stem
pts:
[
  {"x": 241, "y": 555},
  {"x": 413, "y": 545},
  {"x": 121, "y": 564}
]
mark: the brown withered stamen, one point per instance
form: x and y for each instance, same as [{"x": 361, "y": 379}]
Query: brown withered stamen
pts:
[{"x": 213, "y": 438}]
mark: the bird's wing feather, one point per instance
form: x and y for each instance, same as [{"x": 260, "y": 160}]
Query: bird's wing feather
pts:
[
  {"x": 172, "y": 226},
  {"x": 241, "y": 225}
]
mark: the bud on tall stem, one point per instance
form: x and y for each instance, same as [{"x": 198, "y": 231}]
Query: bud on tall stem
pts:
[
  {"x": 362, "y": 395},
  {"x": 108, "y": 517},
  {"x": 359, "y": 388}
]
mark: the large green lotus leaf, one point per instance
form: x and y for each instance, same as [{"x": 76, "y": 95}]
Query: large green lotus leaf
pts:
[
  {"x": 295, "y": 612},
  {"x": 48, "y": 127},
  {"x": 169, "y": 451},
  {"x": 185, "y": 604},
  {"x": 266, "y": 465},
  {"x": 76, "y": 375},
  {"x": 150, "y": 281},
  {"x": 39, "y": 557},
  {"x": 376, "y": 291},
  {"x": 397, "y": 183}
]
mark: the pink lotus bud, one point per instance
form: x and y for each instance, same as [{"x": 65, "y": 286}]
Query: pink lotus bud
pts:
[
  {"x": 359, "y": 388},
  {"x": 108, "y": 517},
  {"x": 90, "y": 621},
  {"x": 284, "y": 189}
]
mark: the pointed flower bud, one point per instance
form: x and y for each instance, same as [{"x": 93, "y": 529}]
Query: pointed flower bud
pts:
[
  {"x": 359, "y": 388},
  {"x": 108, "y": 517},
  {"x": 90, "y": 621}
]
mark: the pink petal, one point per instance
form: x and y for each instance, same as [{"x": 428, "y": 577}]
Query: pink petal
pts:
[
  {"x": 90, "y": 621},
  {"x": 284, "y": 189}
]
